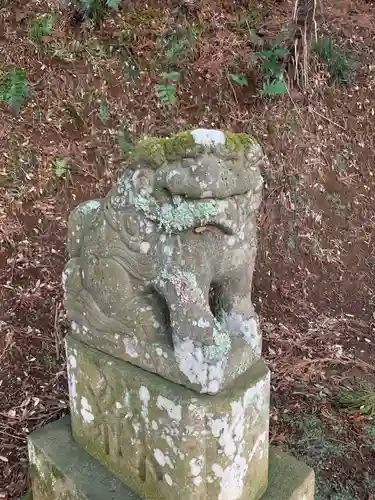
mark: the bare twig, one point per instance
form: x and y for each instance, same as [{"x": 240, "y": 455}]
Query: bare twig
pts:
[
  {"x": 233, "y": 90},
  {"x": 312, "y": 110}
]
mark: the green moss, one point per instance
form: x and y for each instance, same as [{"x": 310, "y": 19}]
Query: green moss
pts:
[
  {"x": 158, "y": 151},
  {"x": 178, "y": 145},
  {"x": 151, "y": 149},
  {"x": 161, "y": 150},
  {"x": 238, "y": 142}
]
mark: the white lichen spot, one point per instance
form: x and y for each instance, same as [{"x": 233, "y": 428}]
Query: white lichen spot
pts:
[
  {"x": 232, "y": 480},
  {"x": 159, "y": 351},
  {"x": 259, "y": 447},
  {"x": 173, "y": 410},
  {"x": 197, "y": 412},
  {"x": 86, "y": 411},
  {"x": 118, "y": 405},
  {"x": 154, "y": 425},
  {"x": 137, "y": 427},
  {"x": 203, "y": 323},
  {"x": 217, "y": 470},
  {"x": 197, "y": 480},
  {"x": 72, "y": 361},
  {"x": 230, "y": 431},
  {"x": 257, "y": 395},
  {"x": 131, "y": 347},
  {"x": 144, "y": 395},
  {"x": 144, "y": 247},
  {"x": 207, "y": 194},
  {"x": 72, "y": 381},
  {"x": 35, "y": 460},
  {"x": 192, "y": 363},
  {"x": 196, "y": 465},
  {"x": 168, "y": 479},
  {"x": 159, "y": 457}
]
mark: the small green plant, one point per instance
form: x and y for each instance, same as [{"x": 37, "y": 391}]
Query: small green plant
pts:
[
  {"x": 166, "y": 91},
  {"x": 41, "y": 26},
  {"x": 274, "y": 81},
  {"x": 370, "y": 431},
  {"x": 14, "y": 88},
  {"x": 339, "y": 65},
  {"x": 239, "y": 79},
  {"x": 113, "y": 4},
  {"x": 60, "y": 167},
  {"x": 179, "y": 44},
  {"x": 103, "y": 113},
  {"x": 125, "y": 141},
  {"x": 360, "y": 399},
  {"x": 95, "y": 9}
]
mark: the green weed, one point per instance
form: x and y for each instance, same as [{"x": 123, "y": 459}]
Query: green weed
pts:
[
  {"x": 60, "y": 167},
  {"x": 316, "y": 448},
  {"x": 339, "y": 64},
  {"x": 166, "y": 91},
  {"x": 103, "y": 113},
  {"x": 14, "y": 88},
  {"x": 113, "y": 4},
  {"x": 274, "y": 81},
  {"x": 41, "y": 26},
  {"x": 360, "y": 399},
  {"x": 179, "y": 45},
  {"x": 95, "y": 9},
  {"x": 239, "y": 79},
  {"x": 369, "y": 430},
  {"x": 124, "y": 140},
  {"x": 314, "y": 445}
]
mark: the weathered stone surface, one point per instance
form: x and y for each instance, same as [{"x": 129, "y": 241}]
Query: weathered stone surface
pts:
[
  {"x": 165, "y": 440},
  {"x": 161, "y": 269},
  {"x": 61, "y": 470},
  {"x": 55, "y": 454},
  {"x": 289, "y": 479}
]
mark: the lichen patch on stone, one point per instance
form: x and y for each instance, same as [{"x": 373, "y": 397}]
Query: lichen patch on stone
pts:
[{"x": 174, "y": 410}]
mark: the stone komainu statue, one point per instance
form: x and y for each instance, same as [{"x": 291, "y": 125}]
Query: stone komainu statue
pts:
[{"x": 160, "y": 270}]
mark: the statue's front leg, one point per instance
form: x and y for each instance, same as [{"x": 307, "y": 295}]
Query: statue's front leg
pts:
[
  {"x": 231, "y": 301},
  {"x": 201, "y": 347}
]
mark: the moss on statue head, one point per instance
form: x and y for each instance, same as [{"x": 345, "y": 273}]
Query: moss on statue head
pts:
[
  {"x": 159, "y": 151},
  {"x": 239, "y": 142}
]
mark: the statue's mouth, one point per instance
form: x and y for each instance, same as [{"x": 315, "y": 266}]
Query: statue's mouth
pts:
[
  {"x": 214, "y": 228},
  {"x": 181, "y": 214}
]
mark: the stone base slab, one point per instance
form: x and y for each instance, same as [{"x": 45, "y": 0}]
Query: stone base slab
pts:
[
  {"x": 62, "y": 470},
  {"x": 165, "y": 440}
]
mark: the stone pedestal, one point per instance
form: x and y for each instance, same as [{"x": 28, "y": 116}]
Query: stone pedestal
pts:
[
  {"x": 165, "y": 440},
  {"x": 61, "y": 470}
]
